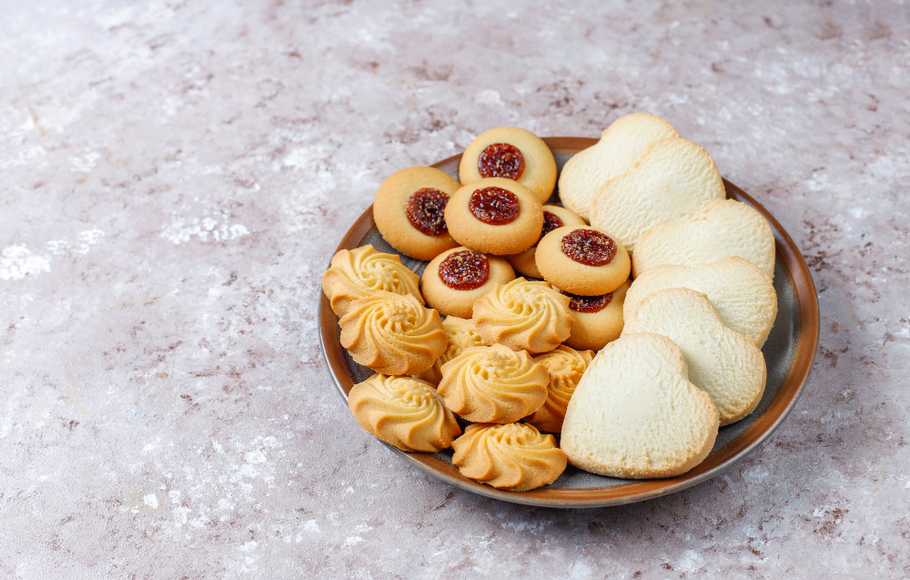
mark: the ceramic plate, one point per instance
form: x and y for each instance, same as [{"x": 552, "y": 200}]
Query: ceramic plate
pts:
[{"x": 789, "y": 352}]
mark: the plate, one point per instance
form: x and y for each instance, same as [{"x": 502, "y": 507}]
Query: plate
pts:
[{"x": 789, "y": 353}]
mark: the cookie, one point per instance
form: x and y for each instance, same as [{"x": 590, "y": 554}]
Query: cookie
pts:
[
  {"x": 495, "y": 216},
  {"x": 719, "y": 230},
  {"x": 724, "y": 363},
  {"x": 493, "y": 384},
  {"x": 359, "y": 272},
  {"x": 635, "y": 415},
  {"x": 744, "y": 297},
  {"x": 513, "y": 457},
  {"x": 510, "y": 153},
  {"x": 456, "y": 278},
  {"x": 524, "y": 315},
  {"x": 462, "y": 334},
  {"x": 565, "y": 366},
  {"x": 392, "y": 334},
  {"x": 598, "y": 319},
  {"x": 553, "y": 217},
  {"x": 619, "y": 147},
  {"x": 404, "y": 412},
  {"x": 583, "y": 260},
  {"x": 409, "y": 211},
  {"x": 672, "y": 179}
]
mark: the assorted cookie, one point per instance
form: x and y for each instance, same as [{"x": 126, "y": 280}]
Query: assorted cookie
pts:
[
  {"x": 565, "y": 366},
  {"x": 359, "y": 272},
  {"x": 598, "y": 319},
  {"x": 455, "y": 279},
  {"x": 583, "y": 260},
  {"x": 510, "y": 153},
  {"x": 553, "y": 217},
  {"x": 462, "y": 334}
]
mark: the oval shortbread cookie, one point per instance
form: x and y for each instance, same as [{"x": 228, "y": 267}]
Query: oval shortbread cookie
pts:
[
  {"x": 723, "y": 362},
  {"x": 744, "y": 297},
  {"x": 619, "y": 147},
  {"x": 719, "y": 230},
  {"x": 672, "y": 179},
  {"x": 635, "y": 414}
]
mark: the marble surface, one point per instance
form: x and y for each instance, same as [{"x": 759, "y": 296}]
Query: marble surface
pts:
[{"x": 176, "y": 175}]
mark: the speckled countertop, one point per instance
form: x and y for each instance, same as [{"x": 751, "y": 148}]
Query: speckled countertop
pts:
[{"x": 175, "y": 177}]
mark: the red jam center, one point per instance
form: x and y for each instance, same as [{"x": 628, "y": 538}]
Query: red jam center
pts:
[
  {"x": 465, "y": 270},
  {"x": 426, "y": 211},
  {"x": 589, "y": 303},
  {"x": 589, "y": 247},
  {"x": 501, "y": 160},
  {"x": 551, "y": 221},
  {"x": 494, "y": 206}
]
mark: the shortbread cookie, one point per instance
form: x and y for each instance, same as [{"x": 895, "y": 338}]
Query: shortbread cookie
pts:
[
  {"x": 553, "y": 217},
  {"x": 723, "y": 362},
  {"x": 565, "y": 366},
  {"x": 635, "y": 414},
  {"x": 672, "y": 179},
  {"x": 462, "y": 334},
  {"x": 404, "y": 412},
  {"x": 359, "y": 272},
  {"x": 719, "y": 230},
  {"x": 456, "y": 278},
  {"x": 510, "y": 153},
  {"x": 619, "y": 147},
  {"x": 409, "y": 211},
  {"x": 392, "y": 334},
  {"x": 493, "y": 384},
  {"x": 513, "y": 457},
  {"x": 583, "y": 260},
  {"x": 524, "y": 315},
  {"x": 495, "y": 216},
  {"x": 744, "y": 297},
  {"x": 598, "y": 319}
]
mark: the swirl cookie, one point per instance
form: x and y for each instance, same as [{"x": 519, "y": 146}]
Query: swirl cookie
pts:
[
  {"x": 359, "y": 272},
  {"x": 493, "y": 384},
  {"x": 514, "y": 457},
  {"x": 392, "y": 334},
  {"x": 553, "y": 217},
  {"x": 565, "y": 366},
  {"x": 456, "y": 278},
  {"x": 524, "y": 315},
  {"x": 510, "y": 153},
  {"x": 583, "y": 260},
  {"x": 495, "y": 216},
  {"x": 462, "y": 334},
  {"x": 598, "y": 319},
  {"x": 409, "y": 211},
  {"x": 404, "y": 412}
]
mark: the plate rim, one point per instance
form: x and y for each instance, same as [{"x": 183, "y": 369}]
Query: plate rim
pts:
[{"x": 806, "y": 349}]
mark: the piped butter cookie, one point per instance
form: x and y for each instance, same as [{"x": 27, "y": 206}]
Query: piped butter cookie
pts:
[
  {"x": 554, "y": 217},
  {"x": 409, "y": 211},
  {"x": 565, "y": 366},
  {"x": 359, "y": 272},
  {"x": 510, "y": 153},
  {"x": 462, "y": 334},
  {"x": 456, "y": 278},
  {"x": 583, "y": 260},
  {"x": 495, "y": 216}
]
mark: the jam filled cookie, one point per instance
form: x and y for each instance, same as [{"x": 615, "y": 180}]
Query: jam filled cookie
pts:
[
  {"x": 598, "y": 319},
  {"x": 495, "y": 216},
  {"x": 462, "y": 334},
  {"x": 565, "y": 366},
  {"x": 405, "y": 412},
  {"x": 583, "y": 260},
  {"x": 392, "y": 334},
  {"x": 409, "y": 211},
  {"x": 513, "y": 457},
  {"x": 456, "y": 278},
  {"x": 510, "y": 153},
  {"x": 553, "y": 217},
  {"x": 359, "y": 272},
  {"x": 524, "y": 315},
  {"x": 493, "y": 384}
]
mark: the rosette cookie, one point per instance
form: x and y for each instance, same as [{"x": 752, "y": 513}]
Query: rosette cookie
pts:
[
  {"x": 514, "y": 457},
  {"x": 565, "y": 366},
  {"x": 392, "y": 334},
  {"x": 359, "y": 272},
  {"x": 462, "y": 334},
  {"x": 493, "y": 384},
  {"x": 405, "y": 412},
  {"x": 524, "y": 315}
]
